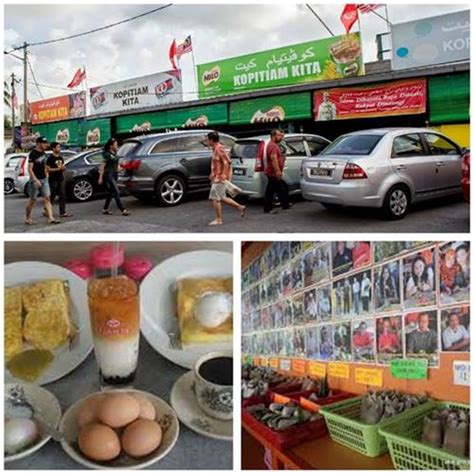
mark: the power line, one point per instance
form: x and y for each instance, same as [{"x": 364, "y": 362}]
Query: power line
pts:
[
  {"x": 34, "y": 78},
  {"x": 95, "y": 30},
  {"x": 319, "y": 18}
]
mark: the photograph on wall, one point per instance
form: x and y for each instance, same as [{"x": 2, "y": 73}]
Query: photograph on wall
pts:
[
  {"x": 255, "y": 297},
  {"x": 363, "y": 340},
  {"x": 311, "y": 345},
  {"x": 338, "y": 298},
  {"x": 288, "y": 342},
  {"x": 341, "y": 257},
  {"x": 254, "y": 271},
  {"x": 286, "y": 286},
  {"x": 455, "y": 329},
  {"x": 308, "y": 244},
  {"x": 353, "y": 295},
  {"x": 297, "y": 275},
  {"x": 419, "y": 283},
  {"x": 276, "y": 287},
  {"x": 387, "y": 287},
  {"x": 295, "y": 249},
  {"x": 255, "y": 320},
  {"x": 325, "y": 342},
  {"x": 389, "y": 338},
  {"x": 385, "y": 250},
  {"x": 421, "y": 336},
  {"x": 342, "y": 342},
  {"x": 270, "y": 261},
  {"x": 267, "y": 318},
  {"x": 454, "y": 270},
  {"x": 246, "y": 306},
  {"x": 311, "y": 306},
  {"x": 298, "y": 310},
  {"x": 280, "y": 343},
  {"x": 282, "y": 253},
  {"x": 323, "y": 296},
  {"x": 287, "y": 308},
  {"x": 299, "y": 342},
  {"x": 263, "y": 288},
  {"x": 277, "y": 315},
  {"x": 316, "y": 264},
  {"x": 245, "y": 279}
]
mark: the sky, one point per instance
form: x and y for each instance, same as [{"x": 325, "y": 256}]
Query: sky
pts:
[{"x": 141, "y": 47}]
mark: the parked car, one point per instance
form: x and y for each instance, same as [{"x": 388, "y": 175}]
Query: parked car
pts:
[
  {"x": 22, "y": 175},
  {"x": 167, "y": 166},
  {"x": 388, "y": 168},
  {"x": 10, "y": 163},
  {"x": 466, "y": 171},
  {"x": 249, "y": 155}
]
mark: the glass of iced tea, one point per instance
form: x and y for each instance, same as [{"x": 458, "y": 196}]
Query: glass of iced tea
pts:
[{"x": 114, "y": 307}]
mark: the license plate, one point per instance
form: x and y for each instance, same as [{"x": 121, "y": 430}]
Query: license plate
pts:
[
  {"x": 239, "y": 172},
  {"x": 321, "y": 172}
]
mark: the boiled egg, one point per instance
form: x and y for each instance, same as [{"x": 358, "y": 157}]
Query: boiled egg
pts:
[
  {"x": 118, "y": 409},
  {"x": 141, "y": 438},
  {"x": 20, "y": 433},
  {"x": 99, "y": 442}
]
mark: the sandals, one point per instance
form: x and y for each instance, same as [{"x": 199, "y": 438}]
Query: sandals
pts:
[
  {"x": 30, "y": 222},
  {"x": 54, "y": 221},
  {"x": 66, "y": 215},
  {"x": 214, "y": 222},
  {"x": 125, "y": 212},
  {"x": 106, "y": 212},
  {"x": 242, "y": 212}
]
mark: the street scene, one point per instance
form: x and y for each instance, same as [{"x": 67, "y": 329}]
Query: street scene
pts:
[{"x": 312, "y": 118}]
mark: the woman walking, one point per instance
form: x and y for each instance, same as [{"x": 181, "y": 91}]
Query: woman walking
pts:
[{"x": 108, "y": 173}]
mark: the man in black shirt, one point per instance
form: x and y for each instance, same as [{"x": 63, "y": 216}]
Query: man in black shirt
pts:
[
  {"x": 57, "y": 184},
  {"x": 38, "y": 183}
]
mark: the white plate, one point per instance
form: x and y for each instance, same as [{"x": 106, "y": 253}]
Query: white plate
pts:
[
  {"x": 68, "y": 356},
  {"x": 46, "y": 409},
  {"x": 165, "y": 416},
  {"x": 185, "y": 404},
  {"x": 158, "y": 301}
]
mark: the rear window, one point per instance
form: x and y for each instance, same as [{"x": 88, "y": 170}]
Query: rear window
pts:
[
  {"x": 353, "y": 145},
  {"x": 126, "y": 148},
  {"x": 244, "y": 150}
]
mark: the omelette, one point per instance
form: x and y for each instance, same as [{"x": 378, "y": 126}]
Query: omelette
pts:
[{"x": 13, "y": 322}]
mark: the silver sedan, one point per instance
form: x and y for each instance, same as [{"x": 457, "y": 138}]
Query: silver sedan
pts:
[{"x": 388, "y": 168}]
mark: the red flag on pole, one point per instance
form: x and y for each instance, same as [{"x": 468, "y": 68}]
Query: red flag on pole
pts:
[
  {"x": 185, "y": 47},
  {"x": 349, "y": 16},
  {"x": 173, "y": 54},
  {"x": 78, "y": 78},
  {"x": 368, "y": 7}
]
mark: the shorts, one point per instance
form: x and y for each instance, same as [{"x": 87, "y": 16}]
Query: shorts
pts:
[
  {"x": 218, "y": 192},
  {"x": 44, "y": 190}
]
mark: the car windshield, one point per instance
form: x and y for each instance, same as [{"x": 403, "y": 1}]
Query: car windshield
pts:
[
  {"x": 353, "y": 145},
  {"x": 244, "y": 149}
]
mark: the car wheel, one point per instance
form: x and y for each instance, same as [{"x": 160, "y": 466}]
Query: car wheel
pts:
[
  {"x": 330, "y": 206},
  {"x": 170, "y": 190},
  {"x": 82, "y": 190},
  {"x": 8, "y": 186},
  {"x": 397, "y": 202}
]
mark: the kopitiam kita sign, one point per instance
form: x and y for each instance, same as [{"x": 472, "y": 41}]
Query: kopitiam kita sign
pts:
[
  {"x": 58, "y": 108},
  {"x": 329, "y": 58},
  {"x": 436, "y": 40},
  {"x": 395, "y": 98},
  {"x": 147, "y": 91}
]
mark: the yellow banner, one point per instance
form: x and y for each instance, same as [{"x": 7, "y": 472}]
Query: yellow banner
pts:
[
  {"x": 340, "y": 371},
  {"x": 274, "y": 363},
  {"x": 372, "y": 377},
  {"x": 299, "y": 366},
  {"x": 256, "y": 360},
  {"x": 316, "y": 369},
  {"x": 264, "y": 361}
]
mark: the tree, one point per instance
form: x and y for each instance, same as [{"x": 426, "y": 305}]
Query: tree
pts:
[{"x": 7, "y": 97}]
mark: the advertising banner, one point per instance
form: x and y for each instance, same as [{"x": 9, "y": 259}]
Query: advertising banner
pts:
[
  {"x": 94, "y": 132},
  {"x": 329, "y": 58},
  {"x": 429, "y": 41},
  {"x": 395, "y": 98},
  {"x": 58, "y": 108},
  {"x": 147, "y": 91}
]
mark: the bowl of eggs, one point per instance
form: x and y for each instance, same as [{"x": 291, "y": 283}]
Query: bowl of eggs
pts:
[{"x": 119, "y": 429}]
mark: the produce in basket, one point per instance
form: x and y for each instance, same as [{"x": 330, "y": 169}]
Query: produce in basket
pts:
[
  {"x": 278, "y": 416},
  {"x": 378, "y": 406},
  {"x": 448, "y": 429},
  {"x": 254, "y": 388},
  {"x": 322, "y": 390}
]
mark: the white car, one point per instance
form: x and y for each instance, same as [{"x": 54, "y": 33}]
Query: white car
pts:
[{"x": 10, "y": 163}]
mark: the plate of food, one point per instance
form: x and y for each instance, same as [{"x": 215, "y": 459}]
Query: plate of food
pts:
[
  {"x": 186, "y": 306},
  {"x": 47, "y": 328},
  {"x": 119, "y": 429}
]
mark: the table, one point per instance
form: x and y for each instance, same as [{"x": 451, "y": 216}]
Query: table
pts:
[
  {"x": 156, "y": 375},
  {"x": 320, "y": 453}
]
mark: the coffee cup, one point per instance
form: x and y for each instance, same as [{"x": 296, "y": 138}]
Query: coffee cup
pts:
[{"x": 213, "y": 384}]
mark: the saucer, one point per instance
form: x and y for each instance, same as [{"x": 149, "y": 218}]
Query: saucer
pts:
[{"x": 185, "y": 404}]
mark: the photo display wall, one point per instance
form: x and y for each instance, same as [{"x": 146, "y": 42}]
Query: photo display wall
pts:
[{"x": 363, "y": 302}]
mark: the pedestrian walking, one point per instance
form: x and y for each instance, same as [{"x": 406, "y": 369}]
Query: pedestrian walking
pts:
[
  {"x": 221, "y": 173},
  {"x": 108, "y": 174},
  {"x": 274, "y": 166},
  {"x": 57, "y": 184},
  {"x": 38, "y": 183}
]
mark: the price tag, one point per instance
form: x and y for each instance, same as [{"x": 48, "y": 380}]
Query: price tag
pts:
[
  {"x": 340, "y": 371},
  {"x": 285, "y": 364},
  {"x": 274, "y": 363},
  {"x": 461, "y": 372},
  {"x": 256, "y": 360},
  {"x": 409, "y": 368},
  {"x": 299, "y": 366},
  {"x": 372, "y": 377},
  {"x": 316, "y": 369},
  {"x": 264, "y": 361}
]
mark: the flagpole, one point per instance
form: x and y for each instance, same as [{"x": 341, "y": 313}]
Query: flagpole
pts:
[{"x": 196, "y": 84}]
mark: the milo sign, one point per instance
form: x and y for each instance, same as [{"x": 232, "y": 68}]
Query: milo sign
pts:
[
  {"x": 275, "y": 114},
  {"x": 93, "y": 137},
  {"x": 198, "y": 122},
  {"x": 62, "y": 136}
]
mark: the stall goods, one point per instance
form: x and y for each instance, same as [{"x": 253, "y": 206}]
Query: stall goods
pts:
[
  {"x": 433, "y": 436},
  {"x": 355, "y": 422}
]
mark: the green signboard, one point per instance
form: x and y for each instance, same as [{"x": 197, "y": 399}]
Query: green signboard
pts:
[
  {"x": 94, "y": 132},
  {"x": 330, "y": 58},
  {"x": 271, "y": 109},
  {"x": 409, "y": 368},
  {"x": 65, "y": 132},
  {"x": 192, "y": 117}
]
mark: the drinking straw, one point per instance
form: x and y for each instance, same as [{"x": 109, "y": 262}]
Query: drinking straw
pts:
[{"x": 115, "y": 251}]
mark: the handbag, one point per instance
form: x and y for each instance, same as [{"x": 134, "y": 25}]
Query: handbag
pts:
[{"x": 232, "y": 189}]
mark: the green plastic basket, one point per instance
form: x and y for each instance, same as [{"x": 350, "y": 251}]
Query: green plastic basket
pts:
[
  {"x": 403, "y": 436},
  {"x": 343, "y": 423}
]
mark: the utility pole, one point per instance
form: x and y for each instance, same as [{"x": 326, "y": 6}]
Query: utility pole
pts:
[
  {"x": 13, "y": 99},
  {"x": 25, "y": 83}
]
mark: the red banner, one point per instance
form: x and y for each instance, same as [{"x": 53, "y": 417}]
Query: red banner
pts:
[
  {"x": 58, "y": 108},
  {"x": 396, "y": 98}
]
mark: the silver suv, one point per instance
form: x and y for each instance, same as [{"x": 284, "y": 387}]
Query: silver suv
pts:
[
  {"x": 389, "y": 168},
  {"x": 249, "y": 156}
]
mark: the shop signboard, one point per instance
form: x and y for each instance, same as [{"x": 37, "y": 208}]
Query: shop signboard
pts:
[
  {"x": 316, "y": 369},
  {"x": 336, "y": 369},
  {"x": 318, "y": 60},
  {"x": 403, "y": 97},
  {"x": 285, "y": 364},
  {"x": 272, "y": 109},
  {"x": 462, "y": 372},
  {"x": 299, "y": 366},
  {"x": 274, "y": 363},
  {"x": 58, "y": 108},
  {"x": 409, "y": 368},
  {"x": 372, "y": 377},
  {"x": 430, "y": 41},
  {"x": 264, "y": 361},
  {"x": 190, "y": 118},
  {"x": 94, "y": 132},
  {"x": 153, "y": 90}
]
